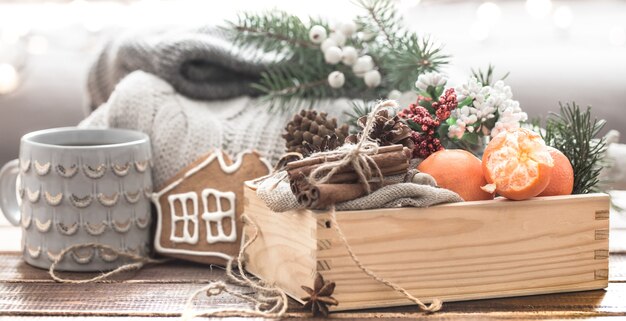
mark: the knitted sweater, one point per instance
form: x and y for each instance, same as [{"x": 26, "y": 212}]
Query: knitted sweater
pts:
[
  {"x": 182, "y": 129},
  {"x": 199, "y": 63}
]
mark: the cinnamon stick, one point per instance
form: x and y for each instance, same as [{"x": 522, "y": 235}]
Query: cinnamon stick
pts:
[
  {"x": 351, "y": 177},
  {"x": 345, "y": 184},
  {"x": 322, "y": 196},
  {"x": 319, "y": 160},
  {"x": 388, "y": 159},
  {"x": 298, "y": 183}
]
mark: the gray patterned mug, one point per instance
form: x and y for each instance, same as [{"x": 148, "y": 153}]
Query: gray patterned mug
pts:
[{"x": 79, "y": 186}]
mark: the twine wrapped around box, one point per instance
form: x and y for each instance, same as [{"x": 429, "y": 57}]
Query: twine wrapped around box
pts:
[{"x": 327, "y": 180}]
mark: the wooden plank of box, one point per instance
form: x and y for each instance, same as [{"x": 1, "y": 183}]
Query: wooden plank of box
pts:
[{"x": 455, "y": 252}]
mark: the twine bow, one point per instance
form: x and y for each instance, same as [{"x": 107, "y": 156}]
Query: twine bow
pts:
[{"x": 358, "y": 156}]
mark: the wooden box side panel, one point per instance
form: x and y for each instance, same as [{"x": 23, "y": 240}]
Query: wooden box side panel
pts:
[
  {"x": 284, "y": 252},
  {"x": 469, "y": 250}
]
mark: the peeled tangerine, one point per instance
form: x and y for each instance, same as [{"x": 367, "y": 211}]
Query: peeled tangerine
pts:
[{"x": 517, "y": 164}]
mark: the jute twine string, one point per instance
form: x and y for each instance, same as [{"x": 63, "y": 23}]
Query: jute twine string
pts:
[
  {"x": 269, "y": 302},
  {"x": 140, "y": 261},
  {"x": 358, "y": 156},
  {"x": 435, "y": 305}
]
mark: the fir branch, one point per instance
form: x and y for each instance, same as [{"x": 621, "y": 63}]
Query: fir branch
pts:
[
  {"x": 415, "y": 56},
  {"x": 359, "y": 109},
  {"x": 263, "y": 34},
  {"x": 575, "y": 134},
  {"x": 382, "y": 18},
  {"x": 404, "y": 55},
  {"x": 485, "y": 77},
  {"x": 302, "y": 85},
  {"x": 289, "y": 86},
  {"x": 275, "y": 31},
  {"x": 299, "y": 76}
]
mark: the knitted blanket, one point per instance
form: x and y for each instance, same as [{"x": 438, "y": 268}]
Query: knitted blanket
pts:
[
  {"x": 182, "y": 129},
  {"x": 200, "y": 63}
]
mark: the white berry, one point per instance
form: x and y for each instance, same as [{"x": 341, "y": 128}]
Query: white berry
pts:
[
  {"x": 317, "y": 34},
  {"x": 339, "y": 38},
  {"x": 328, "y": 43},
  {"x": 336, "y": 79},
  {"x": 349, "y": 56},
  {"x": 332, "y": 55},
  {"x": 394, "y": 94},
  {"x": 363, "y": 65},
  {"x": 372, "y": 78},
  {"x": 348, "y": 28},
  {"x": 367, "y": 35}
]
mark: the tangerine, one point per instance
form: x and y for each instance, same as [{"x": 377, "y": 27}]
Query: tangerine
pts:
[
  {"x": 562, "y": 178},
  {"x": 517, "y": 164},
  {"x": 459, "y": 171}
]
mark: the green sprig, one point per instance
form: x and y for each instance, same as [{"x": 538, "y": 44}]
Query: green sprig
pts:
[
  {"x": 298, "y": 76},
  {"x": 575, "y": 133},
  {"x": 485, "y": 76},
  {"x": 412, "y": 56},
  {"x": 381, "y": 19},
  {"x": 277, "y": 32},
  {"x": 359, "y": 109}
]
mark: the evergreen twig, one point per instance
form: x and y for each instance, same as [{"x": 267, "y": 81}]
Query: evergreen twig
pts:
[
  {"x": 415, "y": 57},
  {"x": 381, "y": 18},
  {"x": 575, "y": 133},
  {"x": 293, "y": 86},
  {"x": 485, "y": 77},
  {"x": 275, "y": 31},
  {"x": 359, "y": 109},
  {"x": 298, "y": 76}
]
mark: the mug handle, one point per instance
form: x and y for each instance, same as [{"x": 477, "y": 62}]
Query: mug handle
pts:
[{"x": 9, "y": 200}]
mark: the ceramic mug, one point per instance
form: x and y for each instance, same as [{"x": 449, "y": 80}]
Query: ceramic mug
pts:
[{"x": 77, "y": 186}]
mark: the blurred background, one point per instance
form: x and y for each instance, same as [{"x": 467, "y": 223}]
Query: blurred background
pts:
[{"x": 554, "y": 50}]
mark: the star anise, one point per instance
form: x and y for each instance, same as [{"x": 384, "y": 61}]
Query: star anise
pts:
[{"x": 319, "y": 298}]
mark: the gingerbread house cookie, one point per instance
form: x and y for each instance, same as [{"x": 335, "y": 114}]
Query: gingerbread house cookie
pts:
[{"x": 199, "y": 210}]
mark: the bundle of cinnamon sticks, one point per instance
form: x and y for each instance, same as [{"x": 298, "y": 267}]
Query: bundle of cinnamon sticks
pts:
[{"x": 344, "y": 185}]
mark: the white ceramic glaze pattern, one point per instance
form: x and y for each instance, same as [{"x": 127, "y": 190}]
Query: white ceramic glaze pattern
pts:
[{"x": 72, "y": 192}]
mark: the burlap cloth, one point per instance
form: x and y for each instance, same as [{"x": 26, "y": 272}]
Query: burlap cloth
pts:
[{"x": 412, "y": 190}]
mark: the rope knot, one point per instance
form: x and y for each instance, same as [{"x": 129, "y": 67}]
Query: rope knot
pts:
[
  {"x": 358, "y": 156},
  {"x": 216, "y": 289}
]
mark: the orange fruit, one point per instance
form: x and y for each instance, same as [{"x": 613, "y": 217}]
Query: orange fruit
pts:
[
  {"x": 562, "y": 178},
  {"x": 517, "y": 164},
  {"x": 459, "y": 171}
]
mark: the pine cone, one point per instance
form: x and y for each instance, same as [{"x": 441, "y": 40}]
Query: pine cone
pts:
[
  {"x": 329, "y": 142},
  {"x": 310, "y": 131},
  {"x": 387, "y": 131}
]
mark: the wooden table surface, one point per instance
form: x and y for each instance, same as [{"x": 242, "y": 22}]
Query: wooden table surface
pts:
[{"x": 161, "y": 291}]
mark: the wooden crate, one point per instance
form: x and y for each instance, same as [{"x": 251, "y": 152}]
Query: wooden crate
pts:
[{"x": 455, "y": 252}]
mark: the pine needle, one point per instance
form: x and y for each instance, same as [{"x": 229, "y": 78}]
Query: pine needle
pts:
[
  {"x": 359, "y": 109},
  {"x": 575, "y": 133},
  {"x": 485, "y": 77},
  {"x": 298, "y": 78}
]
